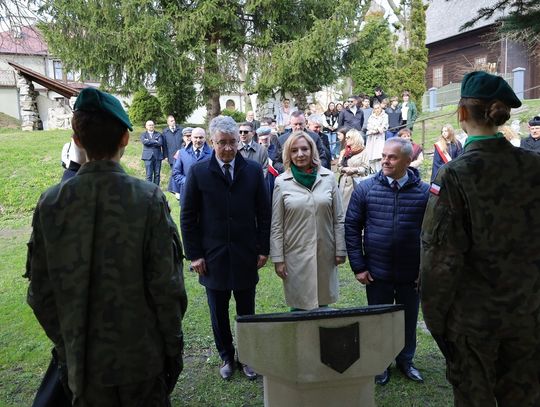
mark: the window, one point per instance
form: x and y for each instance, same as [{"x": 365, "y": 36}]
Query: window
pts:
[
  {"x": 479, "y": 62},
  {"x": 58, "y": 71},
  {"x": 438, "y": 76},
  {"x": 70, "y": 75}
]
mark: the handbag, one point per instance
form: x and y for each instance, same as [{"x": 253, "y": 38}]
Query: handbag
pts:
[{"x": 51, "y": 391}]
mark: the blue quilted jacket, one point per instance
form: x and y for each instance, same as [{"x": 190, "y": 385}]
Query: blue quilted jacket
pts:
[{"x": 389, "y": 247}]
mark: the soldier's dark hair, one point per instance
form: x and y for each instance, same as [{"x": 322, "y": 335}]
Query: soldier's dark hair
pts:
[
  {"x": 267, "y": 120},
  {"x": 99, "y": 133},
  {"x": 488, "y": 112}
]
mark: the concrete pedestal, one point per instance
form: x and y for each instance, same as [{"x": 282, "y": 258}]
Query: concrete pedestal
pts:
[{"x": 298, "y": 370}]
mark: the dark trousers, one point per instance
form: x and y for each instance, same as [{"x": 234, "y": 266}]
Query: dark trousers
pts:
[
  {"x": 153, "y": 170},
  {"x": 486, "y": 369},
  {"x": 218, "y": 302},
  {"x": 386, "y": 292},
  {"x": 148, "y": 393}
]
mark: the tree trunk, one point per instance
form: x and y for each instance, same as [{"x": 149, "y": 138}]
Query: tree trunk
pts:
[{"x": 211, "y": 89}]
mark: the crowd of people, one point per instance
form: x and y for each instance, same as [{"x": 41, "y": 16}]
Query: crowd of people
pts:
[{"x": 251, "y": 193}]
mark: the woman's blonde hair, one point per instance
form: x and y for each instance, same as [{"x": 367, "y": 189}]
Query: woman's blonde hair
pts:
[
  {"x": 508, "y": 132},
  {"x": 357, "y": 141},
  {"x": 315, "y": 161},
  {"x": 442, "y": 142}
]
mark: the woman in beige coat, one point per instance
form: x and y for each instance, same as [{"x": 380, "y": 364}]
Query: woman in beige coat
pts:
[
  {"x": 376, "y": 129},
  {"x": 307, "y": 236},
  {"x": 353, "y": 166}
]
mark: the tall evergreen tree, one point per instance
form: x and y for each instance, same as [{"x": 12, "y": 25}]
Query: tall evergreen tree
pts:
[
  {"x": 295, "y": 44},
  {"x": 371, "y": 58},
  {"x": 411, "y": 63}
]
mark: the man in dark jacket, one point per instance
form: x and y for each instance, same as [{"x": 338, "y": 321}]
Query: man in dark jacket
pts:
[
  {"x": 225, "y": 222},
  {"x": 298, "y": 123},
  {"x": 172, "y": 140},
  {"x": 352, "y": 116},
  {"x": 382, "y": 231},
  {"x": 152, "y": 153},
  {"x": 532, "y": 142}
]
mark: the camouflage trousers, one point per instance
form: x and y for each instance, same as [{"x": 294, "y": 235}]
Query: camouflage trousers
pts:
[
  {"x": 149, "y": 393},
  {"x": 495, "y": 372}
]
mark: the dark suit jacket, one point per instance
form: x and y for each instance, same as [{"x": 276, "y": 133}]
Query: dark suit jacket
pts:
[
  {"x": 152, "y": 146},
  {"x": 227, "y": 225},
  {"x": 172, "y": 142}
]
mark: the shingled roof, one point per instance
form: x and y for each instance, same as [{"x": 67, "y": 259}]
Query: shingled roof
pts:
[
  {"x": 27, "y": 42},
  {"x": 445, "y": 17}
]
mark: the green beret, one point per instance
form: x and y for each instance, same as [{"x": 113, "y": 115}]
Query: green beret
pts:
[
  {"x": 263, "y": 131},
  {"x": 482, "y": 85},
  {"x": 94, "y": 100}
]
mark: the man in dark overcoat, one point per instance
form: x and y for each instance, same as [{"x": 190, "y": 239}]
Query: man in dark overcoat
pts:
[{"x": 225, "y": 224}]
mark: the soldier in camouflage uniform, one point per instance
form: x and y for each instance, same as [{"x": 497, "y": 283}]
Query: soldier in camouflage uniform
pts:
[
  {"x": 105, "y": 270},
  {"x": 480, "y": 266}
]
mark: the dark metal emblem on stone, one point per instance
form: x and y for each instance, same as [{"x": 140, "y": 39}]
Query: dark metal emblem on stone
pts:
[{"x": 340, "y": 347}]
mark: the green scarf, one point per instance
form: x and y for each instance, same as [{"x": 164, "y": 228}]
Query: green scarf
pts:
[
  {"x": 472, "y": 139},
  {"x": 304, "y": 178}
]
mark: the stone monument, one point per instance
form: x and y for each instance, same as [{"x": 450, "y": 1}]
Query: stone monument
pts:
[{"x": 327, "y": 357}]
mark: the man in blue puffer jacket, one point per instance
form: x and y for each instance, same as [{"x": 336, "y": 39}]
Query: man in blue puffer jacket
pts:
[{"x": 382, "y": 232}]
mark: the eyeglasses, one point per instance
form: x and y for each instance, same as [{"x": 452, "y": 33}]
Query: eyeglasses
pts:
[
  {"x": 351, "y": 101},
  {"x": 223, "y": 143},
  {"x": 243, "y": 131}
]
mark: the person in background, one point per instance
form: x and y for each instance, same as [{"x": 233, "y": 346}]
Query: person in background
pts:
[
  {"x": 339, "y": 107},
  {"x": 330, "y": 126},
  {"x": 315, "y": 125},
  {"x": 73, "y": 157},
  {"x": 376, "y": 129},
  {"x": 446, "y": 149},
  {"x": 105, "y": 270},
  {"x": 250, "y": 118},
  {"x": 172, "y": 140},
  {"x": 378, "y": 96},
  {"x": 409, "y": 113},
  {"x": 382, "y": 232},
  {"x": 152, "y": 153},
  {"x": 510, "y": 135},
  {"x": 250, "y": 149},
  {"x": 186, "y": 136},
  {"x": 353, "y": 166},
  {"x": 197, "y": 150},
  {"x": 532, "y": 142},
  {"x": 284, "y": 113},
  {"x": 352, "y": 115},
  {"x": 307, "y": 242},
  {"x": 417, "y": 157},
  {"x": 341, "y": 133},
  {"x": 367, "y": 110},
  {"x": 394, "y": 118},
  {"x": 480, "y": 263}
]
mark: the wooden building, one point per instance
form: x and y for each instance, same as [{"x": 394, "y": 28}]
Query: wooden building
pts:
[{"x": 452, "y": 53}]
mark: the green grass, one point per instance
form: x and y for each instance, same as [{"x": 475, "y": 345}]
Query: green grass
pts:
[{"x": 31, "y": 163}]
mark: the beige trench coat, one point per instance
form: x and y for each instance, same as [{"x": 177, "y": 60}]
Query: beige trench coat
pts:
[
  {"x": 307, "y": 234},
  {"x": 346, "y": 182}
]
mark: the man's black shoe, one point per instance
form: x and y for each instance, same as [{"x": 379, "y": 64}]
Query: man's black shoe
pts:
[
  {"x": 226, "y": 370},
  {"x": 383, "y": 378},
  {"x": 411, "y": 372}
]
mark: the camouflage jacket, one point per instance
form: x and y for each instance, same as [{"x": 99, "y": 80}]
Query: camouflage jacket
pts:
[
  {"x": 480, "y": 261},
  {"x": 106, "y": 282}
]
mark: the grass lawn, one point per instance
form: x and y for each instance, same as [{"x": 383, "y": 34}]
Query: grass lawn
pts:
[{"x": 31, "y": 163}]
